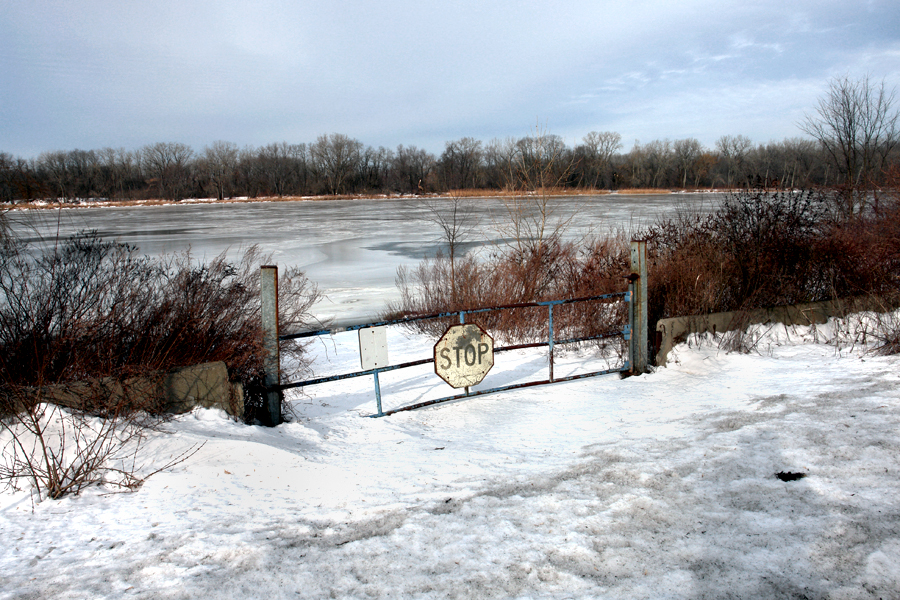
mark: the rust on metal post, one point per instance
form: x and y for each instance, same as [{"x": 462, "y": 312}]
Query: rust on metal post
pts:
[
  {"x": 550, "y": 338},
  {"x": 639, "y": 304},
  {"x": 268, "y": 281}
]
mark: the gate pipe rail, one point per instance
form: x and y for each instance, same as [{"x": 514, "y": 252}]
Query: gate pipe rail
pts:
[
  {"x": 635, "y": 332},
  {"x": 444, "y": 315},
  {"x": 425, "y": 361},
  {"x": 551, "y": 342}
]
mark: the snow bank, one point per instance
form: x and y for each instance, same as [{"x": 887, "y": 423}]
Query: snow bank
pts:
[{"x": 659, "y": 486}]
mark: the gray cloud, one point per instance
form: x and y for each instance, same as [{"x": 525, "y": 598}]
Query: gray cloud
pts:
[{"x": 97, "y": 73}]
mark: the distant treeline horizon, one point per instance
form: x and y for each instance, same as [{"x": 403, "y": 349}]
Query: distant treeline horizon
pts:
[{"x": 337, "y": 164}]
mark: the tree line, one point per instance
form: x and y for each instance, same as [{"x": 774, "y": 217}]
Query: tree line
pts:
[
  {"x": 338, "y": 164},
  {"x": 855, "y": 131}
]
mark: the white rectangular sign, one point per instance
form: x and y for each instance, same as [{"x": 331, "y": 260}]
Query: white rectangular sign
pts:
[{"x": 373, "y": 351}]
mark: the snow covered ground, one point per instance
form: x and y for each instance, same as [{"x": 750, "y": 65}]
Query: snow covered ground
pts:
[{"x": 658, "y": 486}]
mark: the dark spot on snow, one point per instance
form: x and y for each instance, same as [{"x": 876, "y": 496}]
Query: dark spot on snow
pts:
[{"x": 788, "y": 476}]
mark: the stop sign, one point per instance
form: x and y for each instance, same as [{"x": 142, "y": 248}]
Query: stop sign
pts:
[{"x": 463, "y": 355}]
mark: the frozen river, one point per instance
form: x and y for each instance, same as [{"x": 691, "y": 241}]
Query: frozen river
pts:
[{"x": 350, "y": 248}]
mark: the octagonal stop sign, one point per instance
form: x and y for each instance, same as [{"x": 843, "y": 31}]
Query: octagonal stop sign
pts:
[{"x": 463, "y": 355}]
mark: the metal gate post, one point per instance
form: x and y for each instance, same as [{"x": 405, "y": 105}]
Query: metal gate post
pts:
[
  {"x": 268, "y": 284},
  {"x": 550, "y": 337},
  {"x": 638, "y": 344},
  {"x": 462, "y": 321},
  {"x": 378, "y": 394}
]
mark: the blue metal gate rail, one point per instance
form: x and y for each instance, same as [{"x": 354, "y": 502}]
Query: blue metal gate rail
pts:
[{"x": 550, "y": 343}]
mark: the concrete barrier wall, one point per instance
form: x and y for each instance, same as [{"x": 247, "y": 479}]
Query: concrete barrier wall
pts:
[
  {"x": 675, "y": 330},
  {"x": 204, "y": 385},
  {"x": 177, "y": 392}
]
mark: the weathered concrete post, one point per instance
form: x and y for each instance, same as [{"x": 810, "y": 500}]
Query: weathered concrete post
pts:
[
  {"x": 639, "y": 302},
  {"x": 268, "y": 282}
]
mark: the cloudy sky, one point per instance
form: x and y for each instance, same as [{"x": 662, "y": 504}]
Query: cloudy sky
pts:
[{"x": 96, "y": 73}]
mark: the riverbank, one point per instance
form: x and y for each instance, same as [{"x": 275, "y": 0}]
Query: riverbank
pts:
[{"x": 477, "y": 193}]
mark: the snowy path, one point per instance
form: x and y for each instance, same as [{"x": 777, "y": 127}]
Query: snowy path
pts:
[{"x": 659, "y": 486}]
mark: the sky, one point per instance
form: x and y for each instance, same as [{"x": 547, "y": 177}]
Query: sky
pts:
[{"x": 97, "y": 73}]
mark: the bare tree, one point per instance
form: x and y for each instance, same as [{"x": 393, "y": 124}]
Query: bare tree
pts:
[
  {"x": 687, "y": 156},
  {"x": 733, "y": 151},
  {"x": 456, "y": 218},
  {"x": 499, "y": 161},
  {"x": 7, "y": 181},
  {"x": 597, "y": 150},
  {"x": 857, "y": 125},
  {"x": 651, "y": 164},
  {"x": 168, "y": 166},
  {"x": 336, "y": 157},
  {"x": 53, "y": 166},
  {"x": 220, "y": 164},
  {"x": 801, "y": 161},
  {"x": 376, "y": 167},
  {"x": 460, "y": 163},
  {"x": 411, "y": 166},
  {"x": 659, "y": 158},
  {"x": 283, "y": 167},
  {"x": 121, "y": 173}
]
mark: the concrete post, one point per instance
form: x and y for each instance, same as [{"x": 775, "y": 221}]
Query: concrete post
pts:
[
  {"x": 639, "y": 334},
  {"x": 268, "y": 282}
]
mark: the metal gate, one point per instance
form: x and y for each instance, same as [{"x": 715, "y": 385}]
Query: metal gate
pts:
[{"x": 633, "y": 330}]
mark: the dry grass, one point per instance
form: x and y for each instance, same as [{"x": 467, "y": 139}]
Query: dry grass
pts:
[
  {"x": 509, "y": 192},
  {"x": 45, "y": 204},
  {"x": 644, "y": 191},
  {"x": 465, "y": 193}
]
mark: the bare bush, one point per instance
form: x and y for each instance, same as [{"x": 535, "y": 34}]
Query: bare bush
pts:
[
  {"x": 886, "y": 331},
  {"x": 58, "y": 451},
  {"x": 91, "y": 325},
  {"x": 456, "y": 218},
  {"x": 759, "y": 249},
  {"x": 877, "y": 332},
  {"x": 772, "y": 248},
  {"x": 559, "y": 271},
  {"x": 862, "y": 254},
  {"x": 93, "y": 308}
]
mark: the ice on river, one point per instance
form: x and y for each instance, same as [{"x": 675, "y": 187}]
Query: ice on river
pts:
[{"x": 350, "y": 249}]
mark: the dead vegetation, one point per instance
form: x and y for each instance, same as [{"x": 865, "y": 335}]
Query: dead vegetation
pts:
[
  {"x": 507, "y": 277},
  {"x": 763, "y": 248},
  {"x": 92, "y": 324},
  {"x": 760, "y": 248},
  {"x": 88, "y": 308}
]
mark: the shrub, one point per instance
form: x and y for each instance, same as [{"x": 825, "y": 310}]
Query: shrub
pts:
[
  {"x": 862, "y": 254},
  {"x": 770, "y": 248},
  {"x": 509, "y": 276},
  {"x": 60, "y": 451},
  {"x": 90, "y": 308},
  {"x": 90, "y": 319},
  {"x": 759, "y": 248}
]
